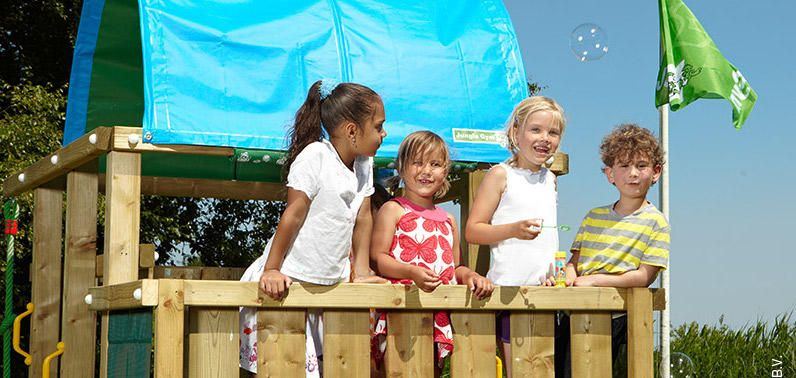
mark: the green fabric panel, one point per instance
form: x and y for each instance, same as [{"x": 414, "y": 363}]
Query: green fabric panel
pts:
[
  {"x": 130, "y": 343},
  {"x": 116, "y": 95},
  {"x": 186, "y": 166}
]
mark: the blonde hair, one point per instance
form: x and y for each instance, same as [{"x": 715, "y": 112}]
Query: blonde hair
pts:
[
  {"x": 523, "y": 110},
  {"x": 421, "y": 144}
]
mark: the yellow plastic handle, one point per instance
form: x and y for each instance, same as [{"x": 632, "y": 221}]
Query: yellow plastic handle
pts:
[
  {"x": 45, "y": 367},
  {"x": 17, "y": 326},
  {"x": 499, "y": 373}
]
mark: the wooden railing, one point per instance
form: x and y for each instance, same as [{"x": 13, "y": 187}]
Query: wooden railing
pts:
[{"x": 211, "y": 346}]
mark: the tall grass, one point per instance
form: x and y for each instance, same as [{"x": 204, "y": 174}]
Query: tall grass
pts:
[{"x": 751, "y": 351}]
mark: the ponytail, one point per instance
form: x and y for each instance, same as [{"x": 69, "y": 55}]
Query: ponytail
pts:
[{"x": 307, "y": 127}]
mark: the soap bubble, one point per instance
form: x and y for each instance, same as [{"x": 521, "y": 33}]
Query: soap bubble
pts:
[
  {"x": 681, "y": 366},
  {"x": 588, "y": 42}
]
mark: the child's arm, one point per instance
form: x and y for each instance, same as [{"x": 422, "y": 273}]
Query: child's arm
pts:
[
  {"x": 642, "y": 277},
  {"x": 481, "y": 286},
  {"x": 479, "y": 230},
  {"x": 572, "y": 267},
  {"x": 383, "y": 233},
  {"x": 272, "y": 281},
  {"x": 361, "y": 243}
]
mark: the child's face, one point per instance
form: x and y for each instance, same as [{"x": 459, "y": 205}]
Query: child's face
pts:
[
  {"x": 425, "y": 175},
  {"x": 372, "y": 133},
  {"x": 537, "y": 139},
  {"x": 633, "y": 176}
]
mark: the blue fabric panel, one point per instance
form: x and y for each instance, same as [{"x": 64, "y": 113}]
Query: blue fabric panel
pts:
[
  {"x": 234, "y": 73},
  {"x": 80, "y": 77}
]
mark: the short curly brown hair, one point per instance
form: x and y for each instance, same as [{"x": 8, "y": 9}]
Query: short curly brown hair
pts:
[{"x": 628, "y": 141}]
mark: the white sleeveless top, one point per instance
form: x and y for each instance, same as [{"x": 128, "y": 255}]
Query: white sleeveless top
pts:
[{"x": 528, "y": 195}]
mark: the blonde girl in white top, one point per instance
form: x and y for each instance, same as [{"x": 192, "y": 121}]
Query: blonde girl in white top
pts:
[
  {"x": 329, "y": 183},
  {"x": 514, "y": 200}
]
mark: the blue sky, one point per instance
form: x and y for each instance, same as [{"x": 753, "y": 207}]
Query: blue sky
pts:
[{"x": 730, "y": 206}]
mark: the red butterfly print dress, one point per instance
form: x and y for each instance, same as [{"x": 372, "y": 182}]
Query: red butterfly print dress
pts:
[{"x": 423, "y": 237}]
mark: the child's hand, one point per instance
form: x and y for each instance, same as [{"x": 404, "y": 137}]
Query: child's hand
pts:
[
  {"x": 371, "y": 279},
  {"x": 481, "y": 286},
  {"x": 526, "y": 229},
  {"x": 425, "y": 279},
  {"x": 274, "y": 283},
  {"x": 550, "y": 278},
  {"x": 572, "y": 274},
  {"x": 585, "y": 281}
]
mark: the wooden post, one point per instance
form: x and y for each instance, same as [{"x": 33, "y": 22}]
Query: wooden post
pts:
[
  {"x": 474, "y": 344},
  {"x": 122, "y": 224},
  {"x": 410, "y": 344},
  {"x": 475, "y": 256},
  {"x": 46, "y": 286},
  {"x": 80, "y": 251},
  {"x": 591, "y": 344},
  {"x": 532, "y": 344},
  {"x": 346, "y": 344},
  {"x": 639, "y": 333},
  {"x": 213, "y": 342},
  {"x": 281, "y": 343},
  {"x": 169, "y": 325}
]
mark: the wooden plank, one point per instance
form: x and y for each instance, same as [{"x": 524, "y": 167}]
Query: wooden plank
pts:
[
  {"x": 410, "y": 344},
  {"x": 120, "y": 296},
  {"x": 46, "y": 286},
  {"x": 122, "y": 223},
  {"x": 533, "y": 344},
  {"x": 475, "y": 256},
  {"x": 169, "y": 324},
  {"x": 281, "y": 343},
  {"x": 199, "y": 273},
  {"x": 146, "y": 259},
  {"x": 451, "y": 297},
  {"x": 658, "y": 299},
  {"x": 591, "y": 344},
  {"x": 346, "y": 343},
  {"x": 639, "y": 333},
  {"x": 206, "y": 188},
  {"x": 79, "y": 324},
  {"x": 213, "y": 342},
  {"x": 76, "y": 154},
  {"x": 474, "y": 344},
  {"x": 560, "y": 164},
  {"x": 122, "y": 142}
]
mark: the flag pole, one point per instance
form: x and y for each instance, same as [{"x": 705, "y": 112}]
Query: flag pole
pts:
[{"x": 665, "y": 323}]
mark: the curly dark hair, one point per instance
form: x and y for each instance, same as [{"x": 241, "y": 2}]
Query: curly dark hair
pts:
[{"x": 628, "y": 141}]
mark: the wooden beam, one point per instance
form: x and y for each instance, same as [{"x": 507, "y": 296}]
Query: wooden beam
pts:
[
  {"x": 591, "y": 344},
  {"x": 123, "y": 138},
  {"x": 281, "y": 343},
  {"x": 213, "y": 342},
  {"x": 46, "y": 287},
  {"x": 79, "y": 325},
  {"x": 560, "y": 164},
  {"x": 474, "y": 344},
  {"x": 77, "y": 153},
  {"x": 639, "y": 333},
  {"x": 532, "y": 344},
  {"x": 475, "y": 256},
  {"x": 146, "y": 259},
  {"x": 205, "y": 188},
  {"x": 199, "y": 273},
  {"x": 346, "y": 343},
  {"x": 122, "y": 223},
  {"x": 169, "y": 325},
  {"x": 120, "y": 296},
  {"x": 410, "y": 344},
  {"x": 451, "y": 297}
]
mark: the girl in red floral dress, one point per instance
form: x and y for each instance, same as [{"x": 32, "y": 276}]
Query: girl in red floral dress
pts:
[{"x": 415, "y": 242}]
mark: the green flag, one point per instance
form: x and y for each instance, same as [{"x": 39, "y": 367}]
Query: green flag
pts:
[{"x": 692, "y": 67}]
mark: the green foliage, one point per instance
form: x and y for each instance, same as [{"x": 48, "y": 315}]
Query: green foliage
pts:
[{"x": 719, "y": 351}]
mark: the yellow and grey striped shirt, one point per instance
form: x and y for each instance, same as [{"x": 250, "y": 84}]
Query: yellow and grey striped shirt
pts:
[{"x": 611, "y": 243}]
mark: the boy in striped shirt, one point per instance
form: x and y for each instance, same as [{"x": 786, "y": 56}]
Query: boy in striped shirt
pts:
[{"x": 626, "y": 243}]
